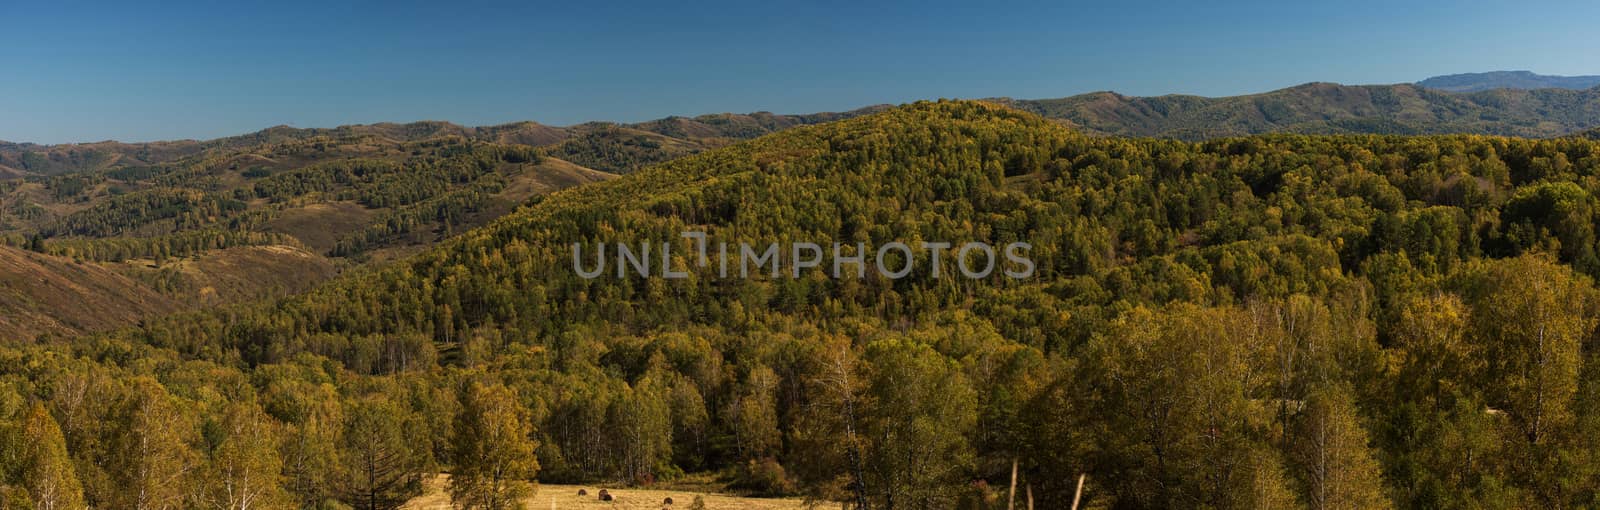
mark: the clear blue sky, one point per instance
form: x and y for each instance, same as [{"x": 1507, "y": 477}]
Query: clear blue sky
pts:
[{"x": 87, "y": 71}]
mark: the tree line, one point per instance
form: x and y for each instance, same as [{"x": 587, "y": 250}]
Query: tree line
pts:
[
  {"x": 112, "y": 436},
  {"x": 179, "y": 245}
]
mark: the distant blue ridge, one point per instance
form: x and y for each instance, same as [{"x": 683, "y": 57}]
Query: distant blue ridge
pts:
[{"x": 1524, "y": 80}]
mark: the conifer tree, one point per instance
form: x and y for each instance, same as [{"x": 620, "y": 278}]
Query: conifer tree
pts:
[{"x": 380, "y": 469}]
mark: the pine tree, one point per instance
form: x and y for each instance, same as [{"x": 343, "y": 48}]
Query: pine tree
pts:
[{"x": 380, "y": 469}]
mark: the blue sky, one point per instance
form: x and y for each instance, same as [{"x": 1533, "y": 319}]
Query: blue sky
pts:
[{"x": 86, "y": 71}]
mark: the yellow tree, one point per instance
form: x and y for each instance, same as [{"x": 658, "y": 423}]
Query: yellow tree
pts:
[
  {"x": 151, "y": 457},
  {"x": 493, "y": 449},
  {"x": 246, "y": 471},
  {"x": 1330, "y": 448},
  {"x": 828, "y": 436},
  {"x": 753, "y": 415},
  {"x": 1165, "y": 400},
  {"x": 46, "y": 470},
  {"x": 921, "y": 415},
  {"x": 1530, "y": 316}
]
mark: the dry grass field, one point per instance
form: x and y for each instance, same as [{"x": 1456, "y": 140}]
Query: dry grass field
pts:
[{"x": 565, "y": 497}]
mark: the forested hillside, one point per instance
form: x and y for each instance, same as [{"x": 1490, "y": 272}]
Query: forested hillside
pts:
[
  {"x": 1273, "y": 321},
  {"x": 1328, "y": 108},
  {"x": 348, "y": 195},
  {"x": 236, "y": 225}
]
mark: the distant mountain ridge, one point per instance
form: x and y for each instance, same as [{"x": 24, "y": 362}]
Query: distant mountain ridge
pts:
[
  {"x": 1312, "y": 108},
  {"x": 1522, "y": 80},
  {"x": 582, "y": 142},
  {"x": 1329, "y": 108}
]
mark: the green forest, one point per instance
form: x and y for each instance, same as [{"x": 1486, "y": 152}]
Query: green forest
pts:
[{"x": 1272, "y": 321}]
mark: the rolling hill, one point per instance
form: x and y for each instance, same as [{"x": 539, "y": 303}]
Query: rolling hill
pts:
[
  {"x": 59, "y": 297},
  {"x": 1525, "y": 80},
  {"x": 44, "y": 294}
]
